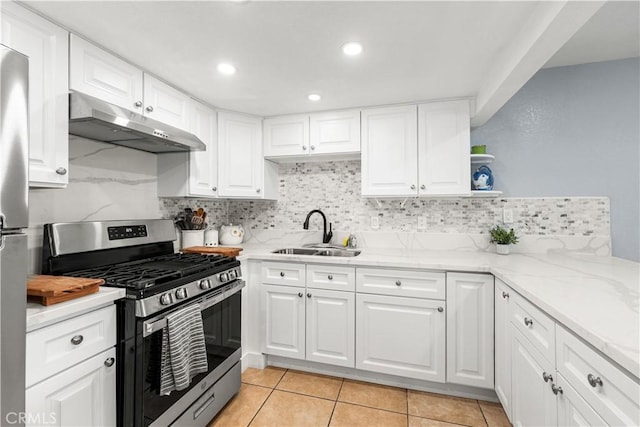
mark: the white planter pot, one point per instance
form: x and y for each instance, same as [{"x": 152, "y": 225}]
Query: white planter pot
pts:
[{"x": 502, "y": 249}]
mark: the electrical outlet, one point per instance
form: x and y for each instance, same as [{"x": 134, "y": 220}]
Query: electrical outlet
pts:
[
  {"x": 375, "y": 222},
  {"x": 507, "y": 216},
  {"x": 422, "y": 223}
]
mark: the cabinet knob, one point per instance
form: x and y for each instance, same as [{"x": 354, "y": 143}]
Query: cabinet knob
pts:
[
  {"x": 308, "y": 295},
  {"x": 300, "y": 294},
  {"x": 61, "y": 171},
  {"x": 423, "y": 187},
  {"x": 77, "y": 339},
  {"x": 149, "y": 108},
  {"x": 330, "y": 277},
  {"x": 413, "y": 187},
  {"x": 528, "y": 322},
  {"x": 556, "y": 390},
  {"x": 257, "y": 190},
  {"x": 304, "y": 148},
  {"x": 398, "y": 283},
  {"x": 313, "y": 147},
  {"x": 138, "y": 104},
  {"x": 547, "y": 377},
  {"x": 440, "y": 309},
  {"x": 594, "y": 381},
  {"x": 109, "y": 362},
  {"x": 282, "y": 274},
  {"x": 505, "y": 295}
]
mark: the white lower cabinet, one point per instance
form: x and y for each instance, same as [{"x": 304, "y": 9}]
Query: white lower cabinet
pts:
[
  {"x": 401, "y": 336},
  {"x": 284, "y": 318},
  {"x": 533, "y": 401},
  {"x": 573, "y": 410},
  {"x": 84, "y": 395},
  {"x": 470, "y": 329},
  {"x": 502, "y": 345}
]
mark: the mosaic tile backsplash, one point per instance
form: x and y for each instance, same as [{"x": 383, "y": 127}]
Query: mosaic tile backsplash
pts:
[{"x": 334, "y": 187}]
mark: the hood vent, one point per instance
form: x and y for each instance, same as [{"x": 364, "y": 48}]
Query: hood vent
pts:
[{"x": 95, "y": 119}]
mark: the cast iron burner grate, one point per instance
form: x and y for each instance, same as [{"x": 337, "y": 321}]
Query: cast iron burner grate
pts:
[{"x": 155, "y": 271}]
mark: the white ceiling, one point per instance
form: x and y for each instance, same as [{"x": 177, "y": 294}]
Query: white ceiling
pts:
[{"x": 284, "y": 50}]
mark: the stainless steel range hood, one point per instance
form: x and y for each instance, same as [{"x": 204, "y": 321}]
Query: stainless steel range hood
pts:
[{"x": 96, "y": 119}]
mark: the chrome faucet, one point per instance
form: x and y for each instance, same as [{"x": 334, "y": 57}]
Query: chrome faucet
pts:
[{"x": 326, "y": 237}]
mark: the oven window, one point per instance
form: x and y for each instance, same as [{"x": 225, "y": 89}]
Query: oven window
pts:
[{"x": 222, "y": 324}]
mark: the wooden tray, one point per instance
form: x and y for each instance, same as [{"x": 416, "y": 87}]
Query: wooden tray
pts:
[
  {"x": 221, "y": 250},
  {"x": 48, "y": 290}
]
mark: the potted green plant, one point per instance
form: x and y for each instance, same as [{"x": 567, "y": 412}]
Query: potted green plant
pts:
[{"x": 503, "y": 238}]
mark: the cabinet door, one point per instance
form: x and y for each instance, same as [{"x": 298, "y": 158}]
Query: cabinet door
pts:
[
  {"x": 84, "y": 395},
  {"x": 97, "y": 73},
  {"x": 241, "y": 168},
  {"x": 443, "y": 148},
  {"x": 46, "y": 45},
  {"x": 502, "y": 345},
  {"x": 389, "y": 151},
  {"x": 335, "y": 132},
  {"x": 165, "y": 103},
  {"x": 331, "y": 327},
  {"x": 533, "y": 402},
  {"x": 283, "y": 321},
  {"x": 400, "y": 336},
  {"x": 203, "y": 165},
  {"x": 470, "y": 329},
  {"x": 286, "y": 136},
  {"x": 573, "y": 410}
]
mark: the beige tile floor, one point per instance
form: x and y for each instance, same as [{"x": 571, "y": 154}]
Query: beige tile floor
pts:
[{"x": 288, "y": 398}]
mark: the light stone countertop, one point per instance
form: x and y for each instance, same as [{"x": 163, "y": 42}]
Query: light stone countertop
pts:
[
  {"x": 39, "y": 316},
  {"x": 596, "y": 297}
]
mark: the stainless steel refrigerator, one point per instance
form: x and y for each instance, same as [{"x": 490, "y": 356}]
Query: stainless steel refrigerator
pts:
[{"x": 14, "y": 192}]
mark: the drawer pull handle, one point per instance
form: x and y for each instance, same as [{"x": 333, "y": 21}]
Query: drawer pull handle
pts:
[
  {"x": 556, "y": 390},
  {"x": 300, "y": 294},
  {"x": 547, "y": 377},
  {"x": 440, "y": 309},
  {"x": 76, "y": 340},
  {"x": 309, "y": 295},
  {"x": 528, "y": 322},
  {"x": 330, "y": 277},
  {"x": 594, "y": 381},
  {"x": 398, "y": 283},
  {"x": 505, "y": 295},
  {"x": 282, "y": 274},
  {"x": 109, "y": 362}
]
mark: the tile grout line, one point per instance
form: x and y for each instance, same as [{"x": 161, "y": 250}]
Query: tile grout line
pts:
[
  {"x": 265, "y": 400},
  {"x": 335, "y": 403},
  {"x": 486, "y": 423}
]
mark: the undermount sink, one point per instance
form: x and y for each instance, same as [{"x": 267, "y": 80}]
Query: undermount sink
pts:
[{"x": 318, "y": 252}]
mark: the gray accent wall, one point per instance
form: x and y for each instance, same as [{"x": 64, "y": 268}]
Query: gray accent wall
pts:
[{"x": 574, "y": 131}]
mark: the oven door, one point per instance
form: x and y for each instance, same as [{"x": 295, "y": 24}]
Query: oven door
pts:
[{"x": 221, "y": 318}]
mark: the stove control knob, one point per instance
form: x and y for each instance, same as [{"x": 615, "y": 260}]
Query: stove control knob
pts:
[
  {"x": 224, "y": 277},
  {"x": 232, "y": 274},
  {"x": 205, "y": 284},
  {"x": 181, "y": 293},
  {"x": 166, "y": 299}
]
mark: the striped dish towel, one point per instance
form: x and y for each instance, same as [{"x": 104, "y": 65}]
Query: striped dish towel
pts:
[{"x": 183, "y": 350}]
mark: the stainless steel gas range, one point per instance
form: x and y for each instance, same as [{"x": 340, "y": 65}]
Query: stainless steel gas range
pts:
[{"x": 138, "y": 255}]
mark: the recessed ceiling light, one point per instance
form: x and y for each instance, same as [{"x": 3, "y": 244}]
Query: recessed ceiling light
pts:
[
  {"x": 227, "y": 69},
  {"x": 352, "y": 48},
  {"x": 314, "y": 97}
]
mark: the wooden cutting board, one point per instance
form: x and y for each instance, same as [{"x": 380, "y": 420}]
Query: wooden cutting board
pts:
[
  {"x": 48, "y": 290},
  {"x": 221, "y": 250}
]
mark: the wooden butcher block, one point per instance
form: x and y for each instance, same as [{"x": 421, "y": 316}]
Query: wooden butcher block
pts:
[
  {"x": 48, "y": 290},
  {"x": 221, "y": 250}
]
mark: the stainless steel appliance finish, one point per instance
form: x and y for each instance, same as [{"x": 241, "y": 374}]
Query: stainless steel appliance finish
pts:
[
  {"x": 14, "y": 71},
  {"x": 96, "y": 119}
]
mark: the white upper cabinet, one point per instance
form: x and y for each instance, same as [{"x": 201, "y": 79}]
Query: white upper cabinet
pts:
[
  {"x": 193, "y": 174},
  {"x": 335, "y": 132},
  {"x": 389, "y": 151},
  {"x": 286, "y": 136},
  {"x": 46, "y": 45},
  {"x": 242, "y": 170},
  {"x": 99, "y": 74},
  {"x": 443, "y": 149}
]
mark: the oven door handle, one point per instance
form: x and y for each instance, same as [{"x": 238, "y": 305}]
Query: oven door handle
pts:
[{"x": 155, "y": 324}]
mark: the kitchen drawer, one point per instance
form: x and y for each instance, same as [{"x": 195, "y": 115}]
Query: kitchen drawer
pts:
[
  {"x": 614, "y": 396},
  {"x": 535, "y": 325},
  {"x": 396, "y": 282},
  {"x": 333, "y": 277},
  {"x": 283, "y": 273},
  {"x": 51, "y": 349}
]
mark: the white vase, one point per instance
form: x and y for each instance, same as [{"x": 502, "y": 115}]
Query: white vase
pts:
[{"x": 502, "y": 249}]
